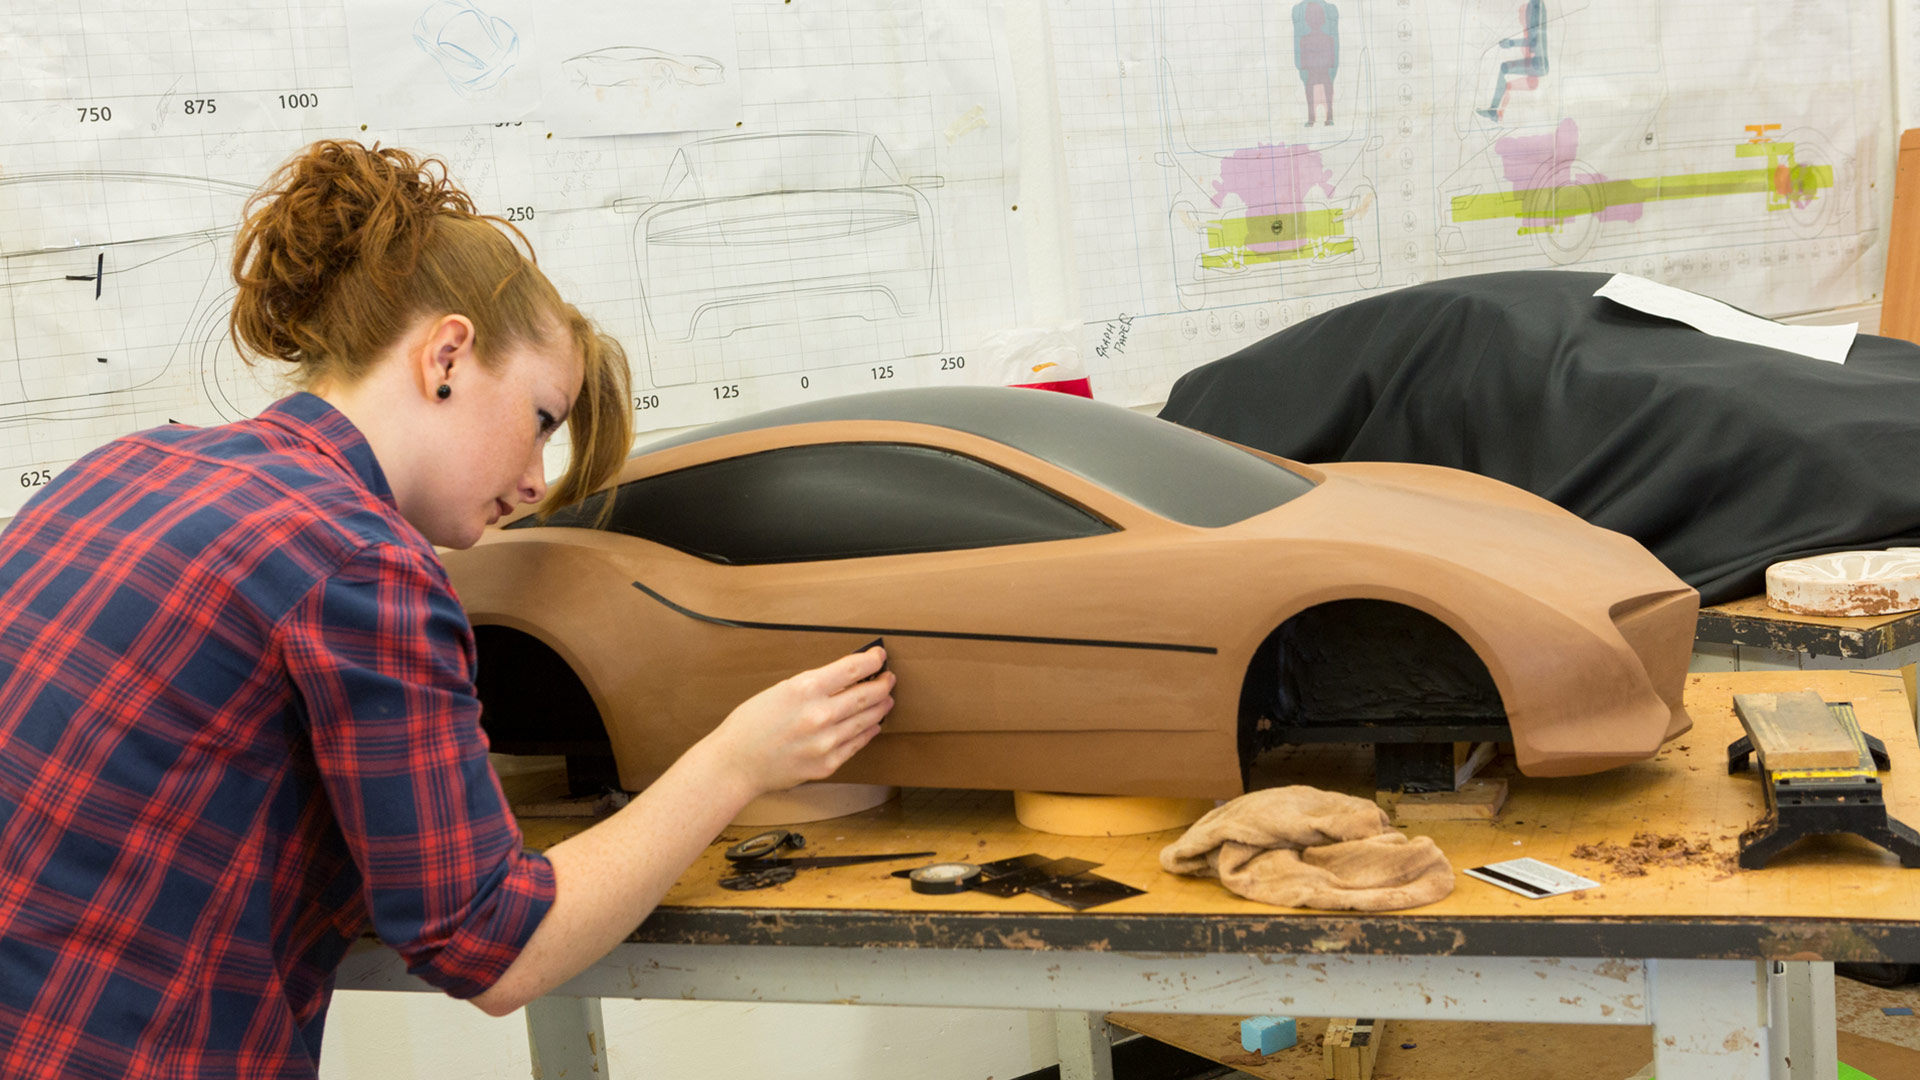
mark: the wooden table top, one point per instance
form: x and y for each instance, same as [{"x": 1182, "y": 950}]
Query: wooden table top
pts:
[
  {"x": 1752, "y": 622},
  {"x": 1833, "y": 898}
]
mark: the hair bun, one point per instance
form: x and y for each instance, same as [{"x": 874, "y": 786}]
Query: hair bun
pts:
[{"x": 335, "y": 205}]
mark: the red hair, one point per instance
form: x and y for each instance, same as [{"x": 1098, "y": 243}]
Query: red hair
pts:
[{"x": 347, "y": 246}]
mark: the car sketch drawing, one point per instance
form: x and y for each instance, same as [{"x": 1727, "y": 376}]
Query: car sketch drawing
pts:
[
  {"x": 774, "y": 232},
  {"x": 1247, "y": 213},
  {"x": 473, "y": 49},
  {"x": 633, "y": 65},
  {"x": 1569, "y": 166},
  {"x": 93, "y": 329}
]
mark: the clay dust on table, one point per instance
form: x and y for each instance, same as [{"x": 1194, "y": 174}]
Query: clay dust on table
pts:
[{"x": 1649, "y": 851}]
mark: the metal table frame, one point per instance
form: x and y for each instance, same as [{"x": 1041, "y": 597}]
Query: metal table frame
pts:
[{"x": 1718, "y": 1008}]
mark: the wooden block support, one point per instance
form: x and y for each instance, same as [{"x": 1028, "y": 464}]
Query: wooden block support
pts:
[
  {"x": 1796, "y": 731},
  {"x": 1477, "y": 800},
  {"x": 1900, "y": 298},
  {"x": 1350, "y": 1046}
]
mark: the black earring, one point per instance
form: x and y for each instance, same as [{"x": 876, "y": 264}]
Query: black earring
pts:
[{"x": 444, "y": 392}]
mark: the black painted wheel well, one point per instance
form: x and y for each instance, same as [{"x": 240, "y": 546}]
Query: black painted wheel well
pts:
[
  {"x": 1349, "y": 670},
  {"x": 531, "y": 700}
]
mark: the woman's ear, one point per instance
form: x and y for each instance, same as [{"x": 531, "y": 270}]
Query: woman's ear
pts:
[{"x": 445, "y": 354}]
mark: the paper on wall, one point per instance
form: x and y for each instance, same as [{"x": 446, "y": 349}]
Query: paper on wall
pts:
[
  {"x": 850, "y": 229},
  {"x": 422, "y": 63},
  {"x": 1223, "y": 188},
  {"x": 1710, "y": 316},
  {"x": 634, "y": 67}
]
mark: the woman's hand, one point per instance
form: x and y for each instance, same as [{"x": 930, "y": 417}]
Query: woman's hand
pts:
[
  {"x": 610, "y": 876},
  {"x": 806, "y": 727}
]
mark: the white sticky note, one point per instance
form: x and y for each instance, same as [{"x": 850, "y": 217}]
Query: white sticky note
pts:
[
  {"x": 1710, "y": 316},
  {"x": 1530, "y": 877}
]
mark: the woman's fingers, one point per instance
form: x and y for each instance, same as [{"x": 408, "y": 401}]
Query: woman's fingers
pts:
[
  {"x": 869, "y": 716},
  {"x": 846, "y": 671},
  {"x": 862, "y": 695},
  {"x": 861, "y": 737}
]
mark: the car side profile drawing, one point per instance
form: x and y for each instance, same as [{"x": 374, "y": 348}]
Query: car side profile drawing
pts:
[
  {"x": 634, "y": 65},
  {"x": 1591, "y": 159},
  {"x": 114, "y": 292},
  {"x": 777, "y": 231},
  {"x": 1074, "y": 597}
]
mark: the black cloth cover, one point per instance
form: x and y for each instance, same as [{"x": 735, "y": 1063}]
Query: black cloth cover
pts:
[{"x": 1720, "y": 457}]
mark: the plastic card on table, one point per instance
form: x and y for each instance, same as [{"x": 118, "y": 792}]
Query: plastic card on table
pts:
[{"x": 1530, "y": 877}]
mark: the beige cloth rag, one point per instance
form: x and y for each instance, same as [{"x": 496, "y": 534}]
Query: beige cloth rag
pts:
[{"x": 1302, "y": 847}]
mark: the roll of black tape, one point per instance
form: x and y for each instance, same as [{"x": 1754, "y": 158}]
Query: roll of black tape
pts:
[{"x": 944, "y": 877}]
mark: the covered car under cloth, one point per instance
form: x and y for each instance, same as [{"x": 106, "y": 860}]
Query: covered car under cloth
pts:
[{"x": 1720, "y": 457}]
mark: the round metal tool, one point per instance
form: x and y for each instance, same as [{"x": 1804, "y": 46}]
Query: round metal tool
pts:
[
  {"x": 942, "y": 878},
  {"x": 764, "y": 845}
]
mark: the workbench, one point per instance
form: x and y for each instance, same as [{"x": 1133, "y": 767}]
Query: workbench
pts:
[
  {"x": 1748, "y": 635},
  {"x": 1732, "y": 969}
]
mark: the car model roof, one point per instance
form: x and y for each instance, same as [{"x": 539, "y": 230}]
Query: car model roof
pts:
[{"x": 1166, "y": 469}]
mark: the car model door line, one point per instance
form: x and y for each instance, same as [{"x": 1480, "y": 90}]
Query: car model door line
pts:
[{"x": 950, "y": 635}]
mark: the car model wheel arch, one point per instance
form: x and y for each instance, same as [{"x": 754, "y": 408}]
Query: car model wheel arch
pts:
[
  {"x": 533, "y": 699},
  {"x": 1361, "y": 661}
]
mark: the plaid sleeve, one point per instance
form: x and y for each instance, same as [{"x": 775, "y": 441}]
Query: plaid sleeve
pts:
[{"x": 381, "y": 653}]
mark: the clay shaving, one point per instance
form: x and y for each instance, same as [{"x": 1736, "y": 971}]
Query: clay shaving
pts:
[{"x": 1645, "y": 851}]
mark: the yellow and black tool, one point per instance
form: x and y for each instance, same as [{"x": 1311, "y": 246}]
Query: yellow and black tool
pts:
[{"x": 1821, "y": 774}]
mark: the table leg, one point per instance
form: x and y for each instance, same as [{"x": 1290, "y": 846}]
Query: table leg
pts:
[
  {"x": 1804, "y": 1035},
  {"x": 1086, "y": 1047},
  {"x": 1710, "y": 1020},
  {"x": 568, "y": 1038}
]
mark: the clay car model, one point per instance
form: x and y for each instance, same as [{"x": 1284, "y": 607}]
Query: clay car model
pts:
[{"x": 1075, "y": 598}]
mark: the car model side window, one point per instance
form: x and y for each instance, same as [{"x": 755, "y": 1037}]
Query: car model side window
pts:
[{"x": 834, "y": 501}]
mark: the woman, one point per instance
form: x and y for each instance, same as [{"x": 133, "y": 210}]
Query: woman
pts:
[{"x": 237, "y": 717}]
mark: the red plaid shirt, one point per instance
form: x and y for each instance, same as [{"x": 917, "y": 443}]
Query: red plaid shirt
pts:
[{"x": 237, "y": 724}]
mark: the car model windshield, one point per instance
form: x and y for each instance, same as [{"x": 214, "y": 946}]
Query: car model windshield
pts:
[{"x": 1161, "y": 467}]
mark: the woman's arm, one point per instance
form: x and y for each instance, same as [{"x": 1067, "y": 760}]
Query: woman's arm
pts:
[{"x": 610, "y": 877}]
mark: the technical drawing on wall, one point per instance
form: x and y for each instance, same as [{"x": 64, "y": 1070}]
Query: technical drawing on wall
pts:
[
  {"x": 841, "y": 234},
  {"x": 1294, "y": 157},
  {"x": 1530, "y": 65},
  {"x": 1523, "y": 185},
  {"x": 474, "y": 50},
  {"x": 96, "y": 328},
  {"x": 640, "y": 66},
  {"x": 425, "y": 63},
  {"x": 1240, "y": 217},
  {"x": 634, "y": 65},
  {"x": 755, "y": 237},
  {"x": 1280, "y": 214},
  {"x": 1236, "y": 158}
]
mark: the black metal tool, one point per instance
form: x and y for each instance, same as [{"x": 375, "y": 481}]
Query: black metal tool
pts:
[
  {"x": 815, "y": 862},
  {"x": 759, "y": 867},
  {"x": 1812, "y": 801},
  {"x": 764, "y": 878}
]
